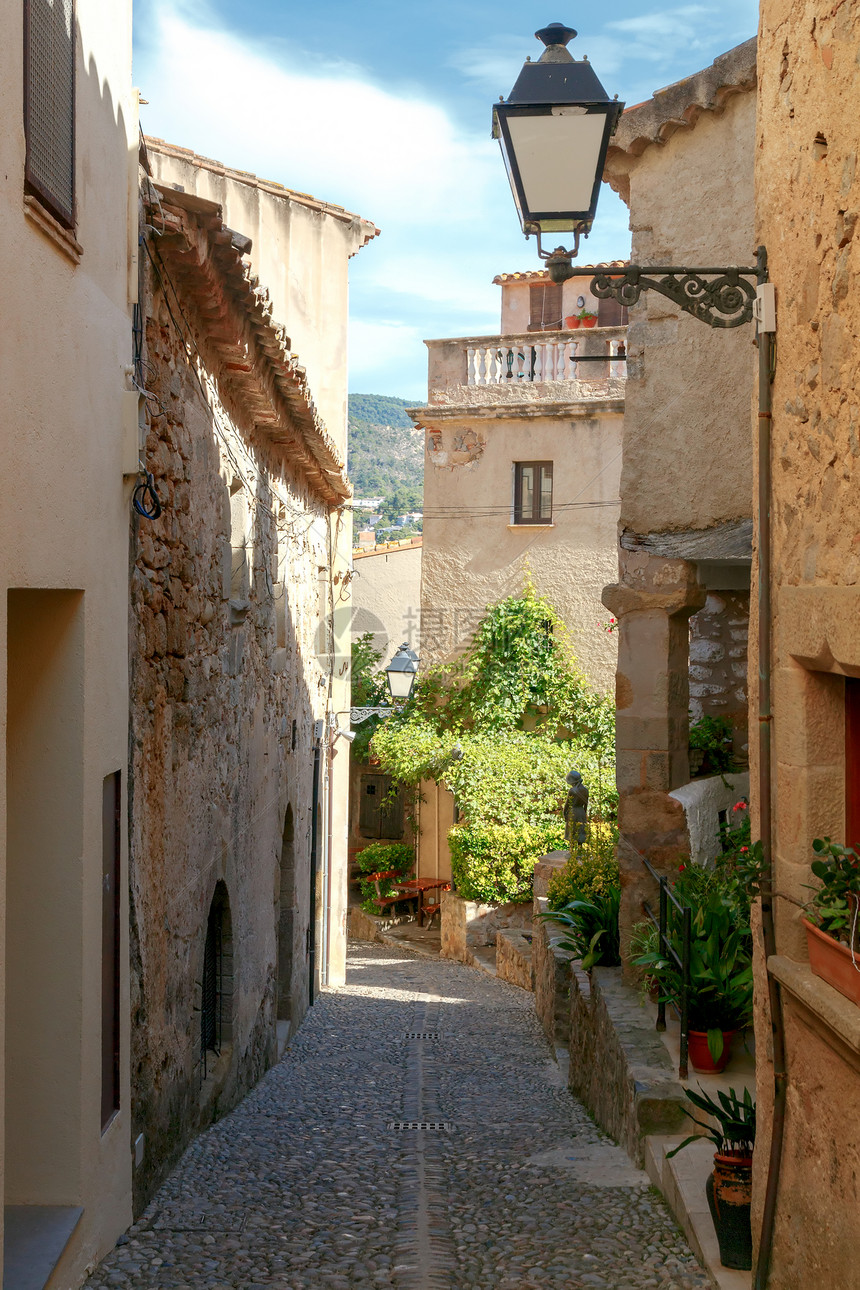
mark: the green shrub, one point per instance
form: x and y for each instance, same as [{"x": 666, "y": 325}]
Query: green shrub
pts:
[
  {"x": 494, "y": 863},
  {"x": 591, "y": 871},
  {"x": 382, "y": 857},
  {"x": 591, "y": 929}
]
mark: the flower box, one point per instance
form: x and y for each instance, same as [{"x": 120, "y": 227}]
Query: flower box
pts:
[{"x": 832, "y": 962}]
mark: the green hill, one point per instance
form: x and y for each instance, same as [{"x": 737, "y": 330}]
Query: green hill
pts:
[{"x": 386, "y": 451}]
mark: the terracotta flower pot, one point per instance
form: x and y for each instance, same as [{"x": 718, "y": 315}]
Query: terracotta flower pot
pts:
[
  {"x": 700, "y": 1055},
  {"x": 589, "y": 322},
  {"x": 729, "y": 1191},
  {"x": 572, "y": 321},
  {"x": 832, "y": 962}
]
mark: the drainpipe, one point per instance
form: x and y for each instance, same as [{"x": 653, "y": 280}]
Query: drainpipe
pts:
[
  {"x": 312, "y": 922},
  {"x": 765, "y": 716},
  {"x": 329, "y": 846}
]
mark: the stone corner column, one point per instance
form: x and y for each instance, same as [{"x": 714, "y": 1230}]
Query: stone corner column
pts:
[{"x": 653, "y": 600}]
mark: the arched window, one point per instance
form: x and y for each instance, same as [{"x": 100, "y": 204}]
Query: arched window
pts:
[{"x": 216, "y": 995}]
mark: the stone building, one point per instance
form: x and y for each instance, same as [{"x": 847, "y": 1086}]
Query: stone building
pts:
[
  {"x": 69, "y": 234},
  {"x": 239, "y": 638},
  {"x": 683, "y": 163},
  {"x": 521, "y": 467},
  {"x": 807, "y": 203},
  {"x": 521, "y": 472}
]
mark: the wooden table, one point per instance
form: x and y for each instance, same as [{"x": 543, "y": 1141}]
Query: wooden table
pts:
[{"x": 419, "y": 887}]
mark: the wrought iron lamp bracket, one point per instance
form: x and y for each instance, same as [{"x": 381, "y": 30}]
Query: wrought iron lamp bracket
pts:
[
  {"x": 357, "y": 715},
  {"x": 721, "y": 297}
]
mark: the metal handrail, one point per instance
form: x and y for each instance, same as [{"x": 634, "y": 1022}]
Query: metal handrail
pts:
[{"x": 661, "y": 922}]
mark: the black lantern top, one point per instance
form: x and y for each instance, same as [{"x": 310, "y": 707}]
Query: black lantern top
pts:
[{"x": 554, "y": 129}]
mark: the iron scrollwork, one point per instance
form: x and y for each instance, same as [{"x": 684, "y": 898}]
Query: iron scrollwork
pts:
[
  {"x": 718, "y": 297},
  {"x": 722, "y": 297},
  {"x": 357, "y": 715}
]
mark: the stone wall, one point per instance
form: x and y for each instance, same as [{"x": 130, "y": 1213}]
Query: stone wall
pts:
[
  {"x": 552, "y": 968},
  {"x": 466, "y": 924},
  {"x": 718, "y": 663},
  {"x": 807, "y": 206},
  {"x": 619, "y": 1065},
  {"x": 226, "y": 683}
]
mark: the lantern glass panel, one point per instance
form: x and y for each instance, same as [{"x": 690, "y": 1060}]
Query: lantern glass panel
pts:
[
  {"x": 400, "y": 683},
  {"x": 558, "y": 155}
]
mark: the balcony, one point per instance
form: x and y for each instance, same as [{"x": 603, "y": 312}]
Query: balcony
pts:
[{"x": 535, "y": 367}]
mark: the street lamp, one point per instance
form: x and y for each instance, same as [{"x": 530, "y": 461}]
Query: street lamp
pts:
[
  {"x": 400, "y": 674},
  {"x": 554, "y": 129}
]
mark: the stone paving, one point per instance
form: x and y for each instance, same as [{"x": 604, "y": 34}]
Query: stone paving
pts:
[{"x": 317, "y": 1180}]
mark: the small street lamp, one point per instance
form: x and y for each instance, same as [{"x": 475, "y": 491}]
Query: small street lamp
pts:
[{"x": 400, "y": 674}]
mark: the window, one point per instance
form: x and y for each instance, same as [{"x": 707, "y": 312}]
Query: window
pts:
[
  {"x": 545, "y": 306},
  {"x": 533, "y": 492},
  {"x": 49, "y": 105}
]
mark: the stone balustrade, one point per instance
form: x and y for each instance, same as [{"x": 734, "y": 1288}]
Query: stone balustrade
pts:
[{"x": 512, "y": 364}]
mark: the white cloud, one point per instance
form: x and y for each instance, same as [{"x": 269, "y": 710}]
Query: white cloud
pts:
[
  {"x": 438, "y": 192},
  {"x": 326, "y": 131}
]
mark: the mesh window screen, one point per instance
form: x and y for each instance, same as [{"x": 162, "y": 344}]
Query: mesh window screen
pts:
[{"x": 49, "y": 104}]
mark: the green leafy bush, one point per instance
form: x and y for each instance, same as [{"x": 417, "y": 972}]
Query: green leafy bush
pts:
[
  {"x": 382, "y": 857},
  {"x": 592, "y": 869},
  {"x": 713, "y": 737},
  {"x": 592, "y": 928},
  {"x": 494, "y": 863}
]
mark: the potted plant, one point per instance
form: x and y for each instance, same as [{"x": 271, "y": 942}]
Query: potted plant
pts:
[
  {"x": 572, "y": 321},
  {"x": 587, "y": 319},
  {"x": 731, "y": 1129},
  {"x": 719, "y": 993},
  {"x": 832, "y": 925}
]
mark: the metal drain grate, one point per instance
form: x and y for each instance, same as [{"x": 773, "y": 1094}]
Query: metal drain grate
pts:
[
  {"x": 424, "y": 1034},
  {"x": 439, "y": 1126}
]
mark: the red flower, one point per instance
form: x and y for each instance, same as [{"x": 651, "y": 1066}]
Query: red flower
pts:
[
  {"x": 739, "y": 806},
  {"x": 681, "y": 868},
  {"x": 744, "y": 850}
]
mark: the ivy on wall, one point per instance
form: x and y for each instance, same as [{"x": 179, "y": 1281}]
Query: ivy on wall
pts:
[{"x": 501, "y": 726}]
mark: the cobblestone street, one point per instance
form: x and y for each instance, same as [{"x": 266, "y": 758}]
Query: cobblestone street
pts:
[{"x": 317, "y": 1180}]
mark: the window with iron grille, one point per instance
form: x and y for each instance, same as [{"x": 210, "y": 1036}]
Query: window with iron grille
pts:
[
  {"x": 533, "y": 492},
  {"x": 49, "y": 105},
  {"x": 545, "y": 306}
]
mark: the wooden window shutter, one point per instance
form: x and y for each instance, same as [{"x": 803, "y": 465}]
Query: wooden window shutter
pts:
[
  {"x": 49, "y": 105},
  {"x": 545, "y": 306}
]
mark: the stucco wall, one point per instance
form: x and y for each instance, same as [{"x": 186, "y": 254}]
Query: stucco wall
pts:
[
  {"x": 386, "y": 597},
  {"x": 474, "y": 555},
  {"x": 300, "y": 253},
  {"x": 687, "y": 451},
  {"x": 807, "y": 202},
  {"x": 64, "y": 352}
]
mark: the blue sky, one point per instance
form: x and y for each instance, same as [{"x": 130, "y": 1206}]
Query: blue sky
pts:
[{"x": 384, "y": 108}]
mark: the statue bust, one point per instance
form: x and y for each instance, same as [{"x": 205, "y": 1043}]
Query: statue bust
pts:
[{"x": 575, "y": 809}]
